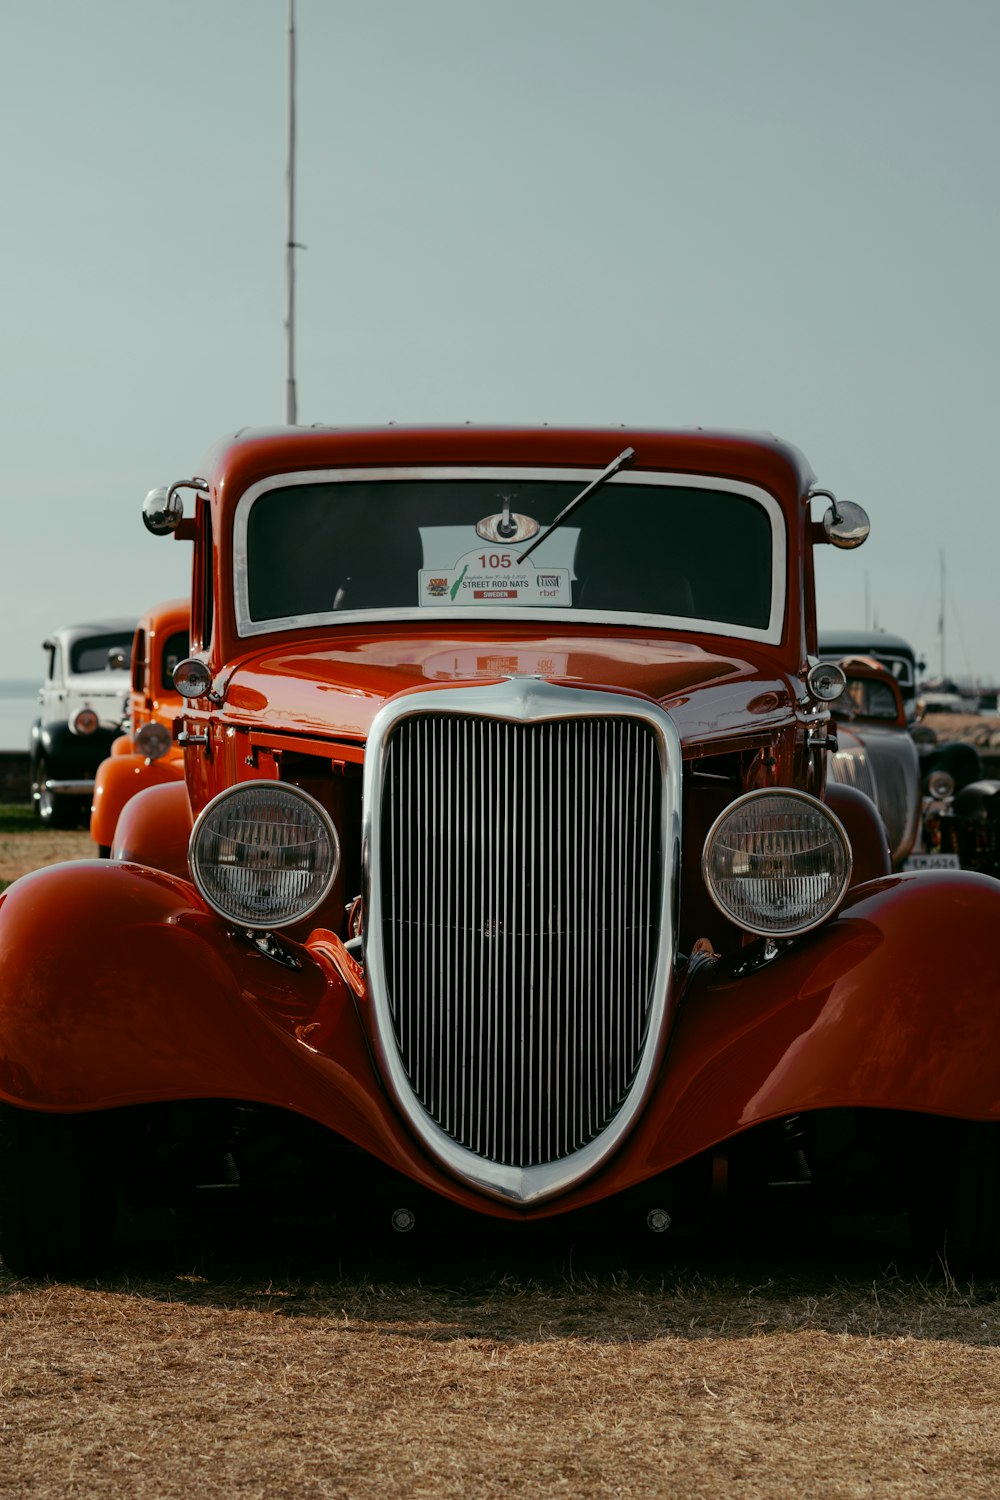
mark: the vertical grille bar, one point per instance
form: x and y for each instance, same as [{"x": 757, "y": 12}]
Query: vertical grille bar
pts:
[{"x": 520, "y": 894}]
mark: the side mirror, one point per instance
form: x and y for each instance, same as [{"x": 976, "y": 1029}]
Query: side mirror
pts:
[
  {"x": 118, "y": 660},
  {"x": 162, "y": 511},
  {"x": 846, "y": 524}
]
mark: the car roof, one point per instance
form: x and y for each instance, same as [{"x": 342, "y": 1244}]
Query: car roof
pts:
[
  {"x": 864, "y": 641},
  {"x": 755, "y": 457},
  {"x": 98, "y": 627}
]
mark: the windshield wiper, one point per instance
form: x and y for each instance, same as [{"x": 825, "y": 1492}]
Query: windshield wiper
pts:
[{"x": 623, "y": 458}]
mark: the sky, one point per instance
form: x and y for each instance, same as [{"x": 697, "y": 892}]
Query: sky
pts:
[{"x": 780, "y": 215}]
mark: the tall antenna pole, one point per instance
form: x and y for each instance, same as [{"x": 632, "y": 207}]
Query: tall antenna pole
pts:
[
  {"x": 941, "y": 616},
  {"x": 291, "y": 414}
]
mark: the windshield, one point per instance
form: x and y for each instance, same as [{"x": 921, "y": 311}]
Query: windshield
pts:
[
  {"x": 93, "y": 653},
  {"x": 404, "y": 546},
  {"x": 177, "y": 647},
  {"x": 868, "y": 698}
]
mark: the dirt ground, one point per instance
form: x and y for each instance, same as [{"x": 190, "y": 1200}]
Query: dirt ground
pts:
[
  {"x": 23, "y": 852},
  {"x": 764, "y": 1359}
]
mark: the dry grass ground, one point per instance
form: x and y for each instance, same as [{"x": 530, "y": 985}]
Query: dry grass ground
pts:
[
  {"x": 428, "y": 1381},
  {"x": 26, "y": 846},
  {"x": 763, "y": 1360}
]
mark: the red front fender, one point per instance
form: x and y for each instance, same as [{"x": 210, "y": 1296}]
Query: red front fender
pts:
[
  {"x": 893, "y": 1005},
  {"x": 154, "y": 829},
  {"x": 118, "y": 987},
  {"x": 118, "y": 779}
]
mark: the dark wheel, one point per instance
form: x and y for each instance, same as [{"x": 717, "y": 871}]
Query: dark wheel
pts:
[
  {"x": 54, "y": 811},
  {"x": 955, "y": 1206},
  {"x": 57, "y": 1192}
]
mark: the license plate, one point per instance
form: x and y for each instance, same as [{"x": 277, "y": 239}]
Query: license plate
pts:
[{"x": 932, "y": 862}]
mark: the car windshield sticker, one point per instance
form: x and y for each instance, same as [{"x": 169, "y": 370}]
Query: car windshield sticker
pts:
[{"x": 463, "y": 571}]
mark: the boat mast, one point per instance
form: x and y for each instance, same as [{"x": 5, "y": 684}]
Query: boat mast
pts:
[{"x": 291, "y": 414}]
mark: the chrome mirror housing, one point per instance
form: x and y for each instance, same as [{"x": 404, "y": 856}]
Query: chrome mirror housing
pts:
[
  {"x": 162, "y": 511},
  {"x": 163, "y": 508},
  {"x": 846, "y": 524}
]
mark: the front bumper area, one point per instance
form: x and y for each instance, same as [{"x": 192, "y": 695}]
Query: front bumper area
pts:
[{"x": 182, "y": 1007}]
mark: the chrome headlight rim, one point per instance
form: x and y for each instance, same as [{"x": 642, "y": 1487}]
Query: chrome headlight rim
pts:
[
  {"x": 760, "y": 929},
  {"x": 261, "y": 922}
]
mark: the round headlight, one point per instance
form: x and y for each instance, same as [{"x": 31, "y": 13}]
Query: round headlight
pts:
[
  {"x": 152, "y": 739},
  {"x": 777, "y": 862},
  {"x": 84, "y": 722},
  {"x": 264, "y": 854},
  {"x": 191, "y": 678},
  {"x": 940, "y": 785},
  {"x": 826, "y": 680}
]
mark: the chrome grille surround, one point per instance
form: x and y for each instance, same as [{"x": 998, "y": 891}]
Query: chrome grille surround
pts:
[
  {"x": 517, "y": 701},
  {"x": 851, "y": 768}
]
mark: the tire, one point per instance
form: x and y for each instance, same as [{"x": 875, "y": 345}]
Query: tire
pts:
[
  {"x": 53, "y": 811},
  {"x": 955, "y": 1207},
  {"x": 57, "y": 1193}
]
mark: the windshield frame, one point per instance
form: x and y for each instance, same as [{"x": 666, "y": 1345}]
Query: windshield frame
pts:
[{"x": 246, "y": 627}]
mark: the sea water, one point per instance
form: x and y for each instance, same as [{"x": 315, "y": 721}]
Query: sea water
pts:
[{"x": 18, "y": 711}]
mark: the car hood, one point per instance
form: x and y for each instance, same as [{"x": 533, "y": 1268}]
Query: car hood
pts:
[
  {"x": 336, "y": 690},
  {"x": 98, "y": 684}
]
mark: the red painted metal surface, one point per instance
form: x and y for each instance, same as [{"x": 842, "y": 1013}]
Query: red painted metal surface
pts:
[
  {"x": 118, "y": 986},
  {"x": 154, "y": 829},
  {"x": 152, "y": 699},
  {"x": 177, "y": 1007},
  {"x": 119, "y": 778}
]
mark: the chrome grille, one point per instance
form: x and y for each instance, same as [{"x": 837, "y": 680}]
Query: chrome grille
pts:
[
  {"x": 851, "y": 768},
  {"x": 520, "y": 889}
]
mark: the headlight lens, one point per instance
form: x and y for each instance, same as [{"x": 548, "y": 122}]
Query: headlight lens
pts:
[
  {"x": 152, "y": 739},
  {"x": 84, "y": 722},
  {"x": 191, "y": 678},
  {"x": 264, "y": 854},
  {"x": 777, "y": 862},
  {"x": 940, "y": 785}
]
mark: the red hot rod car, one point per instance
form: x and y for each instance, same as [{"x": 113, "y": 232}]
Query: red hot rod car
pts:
[
  {"x": 146, "y": 754},
  {"x": 505, "y": 874}
]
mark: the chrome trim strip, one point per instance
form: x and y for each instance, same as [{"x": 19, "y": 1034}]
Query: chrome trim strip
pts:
[
  {"x": 75, "y": 788},
  {"x": 771, "y": 635},
  {"x": 520, "y": 700}
]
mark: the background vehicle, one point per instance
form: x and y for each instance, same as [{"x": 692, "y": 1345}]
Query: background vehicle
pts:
[
  {"x": 892, "y": 651},
  {"x": 876, "y": 754},
  {"x": 938, "y": 809},
  {"x": 82, "y": 706},
  {"x": 506, "y": 880},
  {"x": 146, "y": 755}
]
